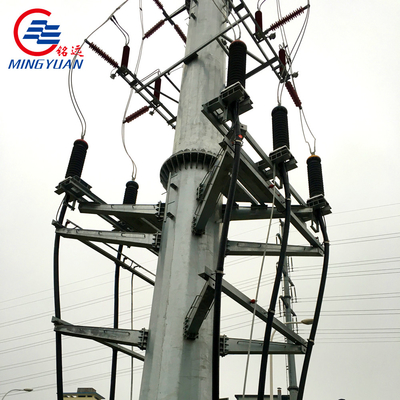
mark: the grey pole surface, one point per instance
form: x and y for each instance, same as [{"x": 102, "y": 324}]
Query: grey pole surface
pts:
[{"x": 174, "y": 367}]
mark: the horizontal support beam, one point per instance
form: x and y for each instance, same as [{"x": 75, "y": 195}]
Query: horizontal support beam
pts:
[
  {"x": 68, "y": 329},
  {"x": 264, "y": 212},
  {"x": 260, "y": 312},
  {"x": 235, "y": 248},
  {"x": 145, "y": 240},
  {"x": 119, "y": 336},
  {"x": 132, "y": 267},
  {"x": 241, "y": 346},
  {"x": 145, "y": 218}
]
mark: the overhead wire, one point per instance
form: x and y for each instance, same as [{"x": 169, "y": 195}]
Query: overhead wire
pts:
[
  {"x": 122, "y": 30},
  {"x": 134, "y": 167},
  {"x": 227, "y": 15},
  {"x": 302, "y": 116},
  {"x": 258, "y": 290},
  {"x": 260, "y": 5},
  {"x": 139, "y": 58},
  {"x": 74, "y": 101},
  {"x": 239, "y": 284}
]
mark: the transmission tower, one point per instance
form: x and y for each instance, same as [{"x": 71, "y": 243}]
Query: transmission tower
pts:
[{"x": 189, "y": 231}]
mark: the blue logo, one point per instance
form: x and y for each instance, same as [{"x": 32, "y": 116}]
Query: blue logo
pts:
[{"x": 43, "y": 33}]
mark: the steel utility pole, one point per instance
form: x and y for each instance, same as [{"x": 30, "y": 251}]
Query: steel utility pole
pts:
[
  {"x": 177, "y": 368},
  {"x": 185, "y": 231}
]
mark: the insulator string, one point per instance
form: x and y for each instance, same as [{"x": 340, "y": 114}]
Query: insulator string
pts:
[
  {"x": 102, "y": 54},
  {"x": 293, "y": 94},
  {"x": 155, "y": 28},
  {"x": 137, "y": 114},
  {"x": 287, "y": 18}
]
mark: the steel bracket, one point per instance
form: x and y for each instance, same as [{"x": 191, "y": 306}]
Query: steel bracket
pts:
[{"x": 110, "y": 337}]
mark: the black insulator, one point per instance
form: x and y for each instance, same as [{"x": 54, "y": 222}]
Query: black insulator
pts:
[
  {"x": 259, "y": 24},
  {"x": 77, "y": 159},
  {"x": 237, "y": 63},
  {"x": 280, "y": 131},
  {"x": 282, "y": 58},
  {"x": 131, "y": 192},
  {"x": 314, "y": 171},
  {"x": 157, "y": 88},
  {"x": 125, "y": 56}
]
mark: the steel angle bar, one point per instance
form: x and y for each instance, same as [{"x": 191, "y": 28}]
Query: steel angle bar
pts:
[
  {"x": 255, "y": 182},
  {"x": 124, "y": 238},
  {"x": 193, "y": 54},
  {"x": 263, "y": 66},
  {"x": 243, "y": 213},
  {"x": 199, "y": 310},
  {"x": 267, "y": 163},
  {"x": 145, "y": 218},
  {"x": 153, "y": 102},
  {"x": 135, "y": 338},
  {"x": 260, "y": 188},
  {"x": 80, "y": 191},
  {"x": 252, "y": 35},
  {"x": 241, "y": 346},
  {"x": 260, "y": 312},
  {"x": 263, "y": 37},
  {"x": 122, "y": 264},
  {"x": 236, "y": 248},
  {"x": 68, "y": 329},
  {"x": 210, "y": 191}
]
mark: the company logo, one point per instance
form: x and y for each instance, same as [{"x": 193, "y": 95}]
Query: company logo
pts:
[
  {"x": 36, "y": 37},
  {"x": 39, "y": 32}
]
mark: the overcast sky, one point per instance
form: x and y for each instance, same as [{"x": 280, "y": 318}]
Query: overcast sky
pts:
[{"x": 348, "y": 82}]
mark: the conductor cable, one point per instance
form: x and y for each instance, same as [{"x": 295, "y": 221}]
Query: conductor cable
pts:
[
  {"x": 318, "y": 307},
  {"x": 57, "y": 302},
  {"x": 221, "y": 252},
  {"x": 134, "y": 168},
  {"x": 275, "y": 290}
]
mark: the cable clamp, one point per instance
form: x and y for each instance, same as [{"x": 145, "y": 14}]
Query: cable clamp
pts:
[{"x": 219, "y": 272}]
